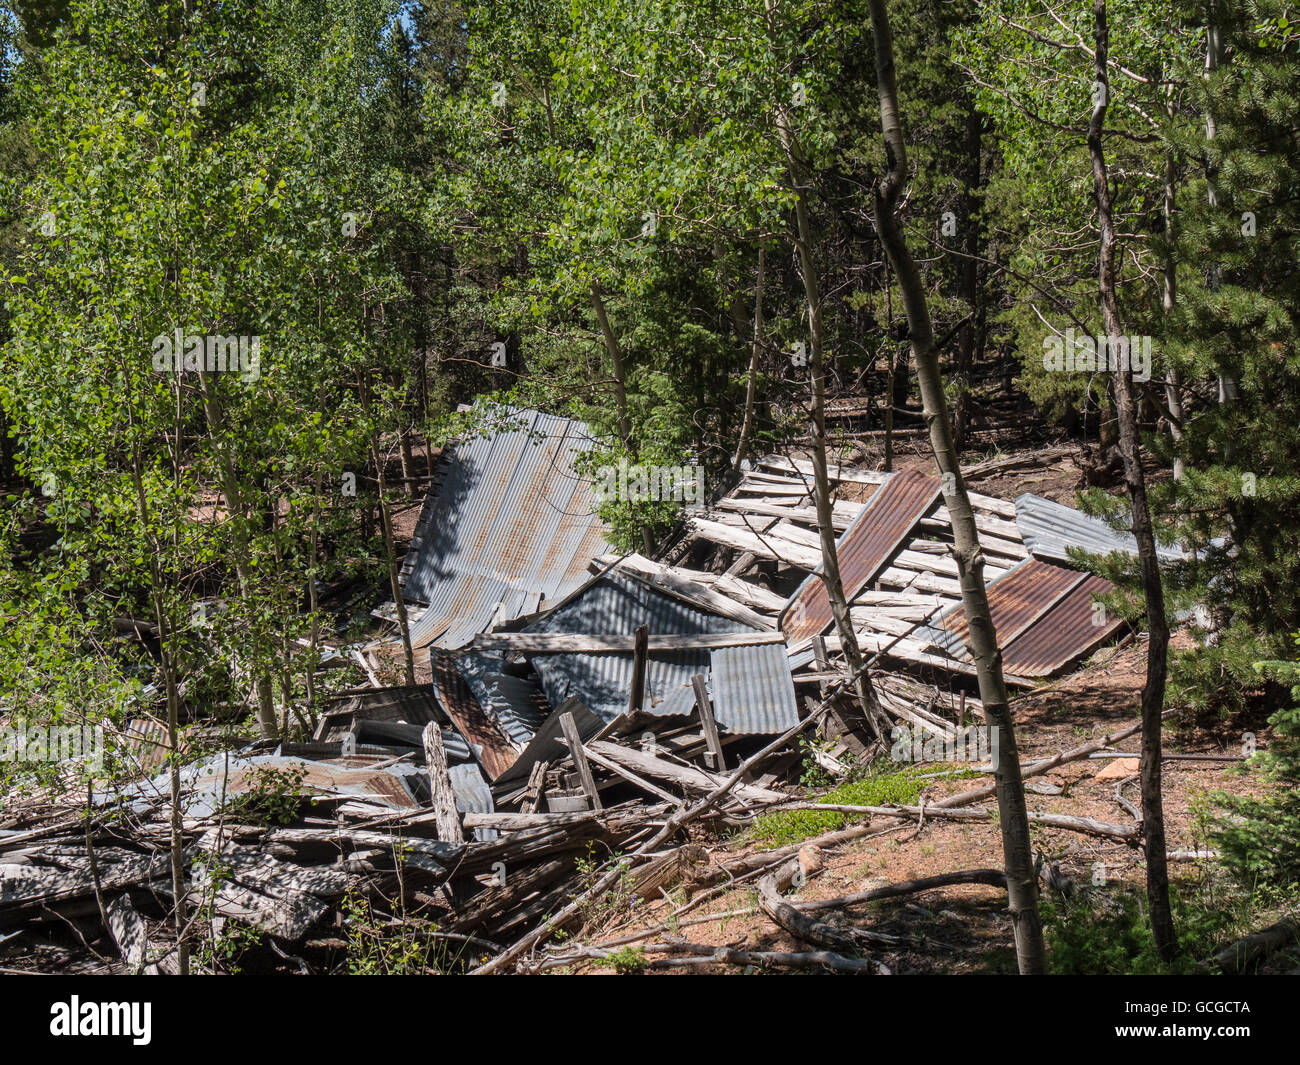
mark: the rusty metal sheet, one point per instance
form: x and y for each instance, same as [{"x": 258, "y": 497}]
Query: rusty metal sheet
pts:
[
  {"x": 1069, "y": 630},
  {"x": 486, "y": 739},
  {"x": 1016, "y": 600},
  {"x": 863, "y": 549}
]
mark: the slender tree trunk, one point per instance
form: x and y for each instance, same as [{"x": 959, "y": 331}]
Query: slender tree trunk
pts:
[
  {"x": 180, "y": 896},
  {"x": 390, "y": 550},
  {"x": 1169, "y": 300},
  {"x": 830, "y": 572},
  {"x": 968, "y": 275},
  {"x": 235, "y": 501},
  {"x": 889, "y": 371},
  {"x": 1213, "y": 59},
  {"x": 313, "y": 604},
  {"x": 1022, "y": 884},
  {"x": 1153, "y": 693},
  {"x": 615, "y": 353},
  {"x": 751, "y": 385}
]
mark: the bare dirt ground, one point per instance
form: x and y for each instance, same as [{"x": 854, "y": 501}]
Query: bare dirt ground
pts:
[{"x": 966, "y": 928}]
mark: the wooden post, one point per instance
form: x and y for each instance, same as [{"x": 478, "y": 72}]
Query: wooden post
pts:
[
  {"x": 443, "y": 799},
  {"x": 822, "y": 659},
  {"x": 640, "y": 659},
  {"x": 536, "y": 788},
  {"x": 570, "y": 728},
  {"x": 708, "y": 723}
]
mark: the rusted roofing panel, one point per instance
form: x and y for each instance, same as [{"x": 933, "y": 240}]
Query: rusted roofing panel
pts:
[
  {"x": 1044, "y": 617},
  {"x": 486, "y": 738},
  {"x": 1016, "y": 600},
  {"x": 864, "y": 548},
  {"x": 1069, "y": 630},
  {"x": 509, "y": 529}
]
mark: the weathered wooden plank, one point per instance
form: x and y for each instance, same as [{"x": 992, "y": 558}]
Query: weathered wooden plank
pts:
[
  {"x": 765, "y": 546},
  {"x": 708, "y": 724},
  {"x": 629, "y": 776},
  {"x": 687, "y": 589},
  {"x": 570, "y": 729},
  {"x": 442, "y": 797},
  {"x": 567, "y": 643},
  {"x": 686, "y": 776},
  {"x": 640, "y": 656},
  {"x": 128, "y": 930}
]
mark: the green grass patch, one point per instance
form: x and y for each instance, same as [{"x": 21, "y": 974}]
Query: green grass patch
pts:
[{"x": 887, "y": 784}]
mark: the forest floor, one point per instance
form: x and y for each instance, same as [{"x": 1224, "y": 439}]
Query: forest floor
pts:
[{"x": 966, "y": 928}]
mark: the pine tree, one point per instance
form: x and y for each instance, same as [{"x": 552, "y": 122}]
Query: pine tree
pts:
[{"x": 1238, "y": 318}]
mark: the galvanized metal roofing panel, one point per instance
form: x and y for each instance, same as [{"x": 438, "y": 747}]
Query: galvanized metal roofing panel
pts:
[
  {"x": 473, "y": 795},
  {"x": 1065, "y": 633},
  {"x": 516, "y": 704},
  {"x": 510, "y": 528},
  {"x": 547, "y": 745},
  {"x": 753, "y": 693},
  {"x": 1049, "y": 529},
  {"x": 616, "y": 606},
  {"x": 863, "y": 549},
  {"x": 210, "y": 783},
  {"x": 413, "y": 704}
]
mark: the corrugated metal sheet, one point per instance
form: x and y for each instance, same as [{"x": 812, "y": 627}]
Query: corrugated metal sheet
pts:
[
  {"x": 509, "y": 529},
  {"x": 547, "y": 746},
  {"x": 1016, "y": 599},
  {"x": 863, "y": 549},
  {"x": 616, "y": 606},
  {"x": 473, "y": 795},
  {"x": 492, "y": 747},
  {"x": 1065, "y": 633},
  {"x": 413, "y": 704},
  {"x": 753, "y": 693},
  {"x": 1043, "y": 616},
  {"x": 516, "y": 704},
  {"x": 1050, "y": 528},
  {"x": 209, "y": 782},
  {"x": 383, "y": 716}
]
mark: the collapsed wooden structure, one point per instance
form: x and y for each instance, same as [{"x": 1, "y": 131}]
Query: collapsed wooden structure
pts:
[{"x": 598, "y": 715}]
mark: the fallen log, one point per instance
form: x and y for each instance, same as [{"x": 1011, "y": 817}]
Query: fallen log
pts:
[
  {"x": 1045, "y": 765},
  {"x": 1086, "y": 825},
  {"x": 1248, "y": 953},
  {"x": 820, "y": 959},
  {"x": 805, "y": 928},
  {"x": 991, "y": 877}
]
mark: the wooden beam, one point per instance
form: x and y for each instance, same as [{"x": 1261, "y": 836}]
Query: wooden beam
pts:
[
  {"x": 685, "y": 776},
  {"x": 580, "y": 643},
  {"x": 708, "y": 723},
  {"x": 664, "y": 579},
  {"x": 442, "y": 798},
  {"x": 765, "y": 546},
  {"x": 570, "y": 729},
  {"x": 536, "y": 789},
  {"x": 640, "y": 656}
]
